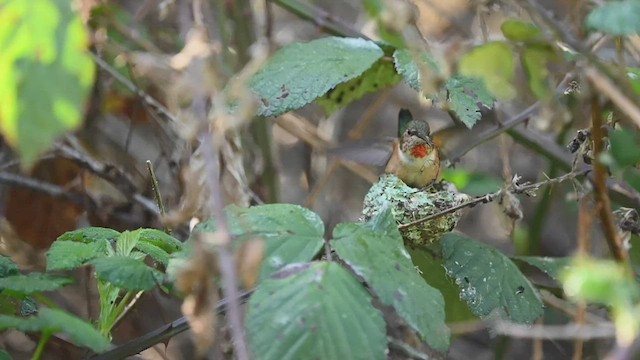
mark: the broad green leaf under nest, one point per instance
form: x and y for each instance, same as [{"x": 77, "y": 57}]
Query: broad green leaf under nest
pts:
[
  {"x": 375, "y": 252},
  {"x": 489, "y": 281},
  {"x": 314, "y": 308}
]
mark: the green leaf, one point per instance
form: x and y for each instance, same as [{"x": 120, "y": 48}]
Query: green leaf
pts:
[
  {"x": 291, "y": 233},
  {"x": 551, "y": 266},
  {"x": 410, "y": 71},
  {"x": 375, "y": 252},
  {"x": 5, "y": 355},
  {"x": 300, "y": 73},
  {"x": 160, "y": 239},
  {"x": 600, "y": 281},
  {"x": 493, "y": 63},
  {"x": 126, "y": 273},
  {"x": 616, "y": 18},
  {"x": 634, "y": 79},
  {"x": 127, "y": 241},
  {"x": 625, "y": 147},
  {"x": 516, "y": 30},
  {"x": 65, "y": 255},
  {"x": 46, "y": 73},
  {"x": 534, "y": 61},
  {"x": 154, "y": 251},
  {"x": 314, "y": 309},
  {"x": 381, "y": 75},
  {"x": 464, "y": 95},
  {"x": 54, "y": 321},
  {"x": 14, "y": 303},
  {"x": 7, "y": 266},
  {"x": 472, "y": 183},
  {"x": 432, "y": 270},
  {"x": 34, "y": 282},
  {"x": 90, "y": 234},
  {"x": 489, "y": 280}
]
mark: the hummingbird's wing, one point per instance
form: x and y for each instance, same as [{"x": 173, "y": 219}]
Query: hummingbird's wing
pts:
[{"x": 368, "y": 152}]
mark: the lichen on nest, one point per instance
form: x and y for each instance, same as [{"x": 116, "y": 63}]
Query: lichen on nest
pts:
[{"x": 409, "y": 204}]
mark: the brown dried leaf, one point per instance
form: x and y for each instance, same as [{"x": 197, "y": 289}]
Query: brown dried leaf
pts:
[{"x": 249, "y": 261}]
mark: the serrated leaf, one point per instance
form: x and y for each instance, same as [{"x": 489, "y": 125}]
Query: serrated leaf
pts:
[
  {"x": 616, "y": 18},
  {"x": 406, "y": 66},
  {"x": 34, "y": 282},
  {"x": 46, "y": 73},
  {"x": 516, "y": 30},
  {"x": 464, "y": 95},
  {"x": 300, "y": 73},
  {"x": 625, "y": 147},
  {"x": 291, "y": 232},
  {"x": 493, "y": 63},
  {"x": 89, "y": 234},
  {"x": 7, "y": 266},
  {"x": 380, "y": 75},
  {"x": 549, "y": 265},
  {"x": 375, "y": 252},
  {"x": 314, "y": 309},
  {"x": 489, "y": 280},
  {"x": 155, "y": 252},
  {"x": 65, "y": 255},
  {"x": 160, "y": 239},
  {"x": 54, "y": 321},
  {"x": 431, "y": 269},
  {"x": 127, "y": 273},
  {"x": 127, "y": 241}
]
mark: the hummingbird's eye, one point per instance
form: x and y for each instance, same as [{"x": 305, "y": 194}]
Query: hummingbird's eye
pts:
[{"x": 412, "y": 132}]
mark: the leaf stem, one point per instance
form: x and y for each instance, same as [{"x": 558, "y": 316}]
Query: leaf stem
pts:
[{"x": 44, "y": 338}]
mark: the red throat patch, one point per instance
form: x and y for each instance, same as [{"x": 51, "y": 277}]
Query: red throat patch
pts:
[{"x": 419, "y": 151}]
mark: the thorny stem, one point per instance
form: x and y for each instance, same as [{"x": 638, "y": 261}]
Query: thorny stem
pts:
[
  {"x": 484, "y": 199},
  {"x": 600, "y": 185},
  {"x": 225, "y": 255}
]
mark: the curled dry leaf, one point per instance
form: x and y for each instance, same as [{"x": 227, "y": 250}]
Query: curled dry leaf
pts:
[
  {"x": 249, "y": 261},
  {"x": 197, "y": 280}
]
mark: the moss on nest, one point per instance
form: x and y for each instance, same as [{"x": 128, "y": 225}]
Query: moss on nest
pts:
[{"x": 409, "y": 204}]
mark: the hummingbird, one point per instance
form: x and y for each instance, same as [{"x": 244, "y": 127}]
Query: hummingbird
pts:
[
  {"x": 414, "y": 159},
  {"x": 412, "y": 156}
]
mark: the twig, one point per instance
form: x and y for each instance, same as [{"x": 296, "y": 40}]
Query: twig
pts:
[
  {"x": 484, "y": 199},
  {"x": 161, "y": 334},
  {"x": 405, "y": 348},
  {"x": 148, "y": 99},
  {"x": 112, "y": 174},
  {"x": 600, "y": 186},
  {"x": 556, "y": 332},
  {"x": 596, "y": 71},
  {"x": 156, "y": 193},
  {"x": 46, "y": 188},
  {"x": 326, "y": 21}
]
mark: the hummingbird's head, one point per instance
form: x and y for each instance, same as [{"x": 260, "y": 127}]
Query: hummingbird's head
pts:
[{"x": 414, "y": 135}]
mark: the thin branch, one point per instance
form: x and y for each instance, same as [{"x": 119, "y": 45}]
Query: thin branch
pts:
[
  {"x": 484, "y": 199},
  {"x": 326, "y": 21},
  {"x": 156, "y": 192},
  {"x": 46, "y": 188},
  {"x": 555, "y": 332},
  {"x": 600, "y": 186},
  {"x": 161, "y": 334},
  {"x": 148, "y": 99},
  {"x": 116, "y": 177}
]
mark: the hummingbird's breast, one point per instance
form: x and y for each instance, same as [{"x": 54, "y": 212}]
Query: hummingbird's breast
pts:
[{"x": 417, "y": 166}]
